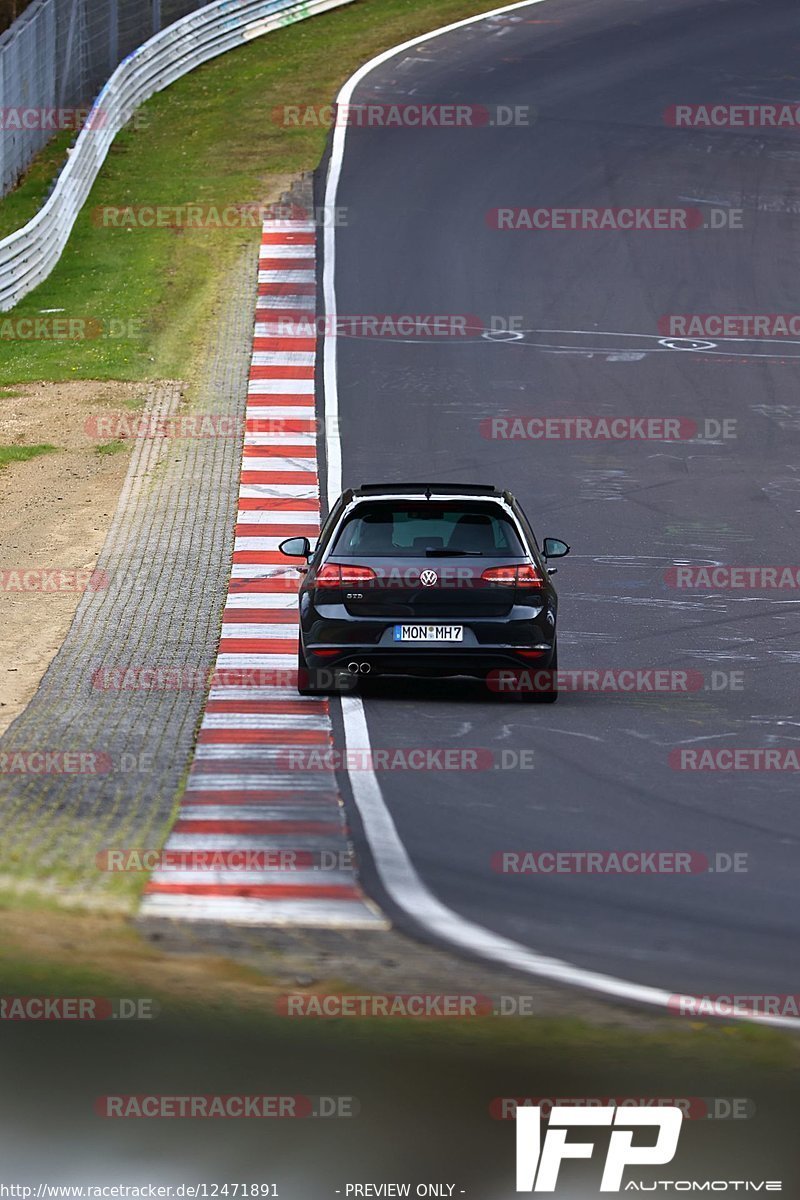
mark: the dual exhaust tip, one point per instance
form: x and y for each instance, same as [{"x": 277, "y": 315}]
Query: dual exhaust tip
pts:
[{"x": 359, "y": 668}]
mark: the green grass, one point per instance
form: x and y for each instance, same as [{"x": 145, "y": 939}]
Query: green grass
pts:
[
  {"x": 106, "y": 449},
  {"x": 210, "y": 139},
  {"x": 12, "y": 454}
]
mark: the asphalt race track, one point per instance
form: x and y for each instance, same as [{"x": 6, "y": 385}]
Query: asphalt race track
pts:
[{"x": 417, "y": 241}]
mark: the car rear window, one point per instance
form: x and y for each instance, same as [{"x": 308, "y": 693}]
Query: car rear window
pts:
[{"x": 409, "y": 529}]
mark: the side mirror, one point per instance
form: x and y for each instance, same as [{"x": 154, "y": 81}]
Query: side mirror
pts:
[
  {"x": 296, "y": 547},
  {"x": 555, "y": 548}
]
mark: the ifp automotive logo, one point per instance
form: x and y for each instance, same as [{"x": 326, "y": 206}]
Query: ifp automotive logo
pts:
[{"x": 538, "y": 1161}]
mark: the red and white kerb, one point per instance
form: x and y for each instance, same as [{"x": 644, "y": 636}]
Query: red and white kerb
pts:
[{"x": 239, "y": 797}]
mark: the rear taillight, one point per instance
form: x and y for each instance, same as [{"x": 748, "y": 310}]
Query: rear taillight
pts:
[
  {"x": 524, "y": 575},
  {"x": 528, "y": 576},
  {"x": 354, "y": 576},
  {"x": 334, "y": 575}
]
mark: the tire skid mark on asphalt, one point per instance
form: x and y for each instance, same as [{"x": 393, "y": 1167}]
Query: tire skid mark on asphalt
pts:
[{"x": 243, "y": 795}]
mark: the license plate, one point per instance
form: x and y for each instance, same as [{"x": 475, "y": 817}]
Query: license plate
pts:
[{"x": 429, "y": 633}]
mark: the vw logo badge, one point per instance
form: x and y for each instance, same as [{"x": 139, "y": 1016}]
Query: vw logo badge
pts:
[{"x": 428, "y": 578}]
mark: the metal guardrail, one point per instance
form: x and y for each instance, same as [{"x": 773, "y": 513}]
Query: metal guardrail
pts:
[{"x": 28, "y": 255}]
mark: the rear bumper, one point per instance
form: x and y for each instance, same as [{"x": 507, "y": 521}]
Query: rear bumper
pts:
[
  {"x": 429, "y": 662},
  {"x": 333, "y": 638}
]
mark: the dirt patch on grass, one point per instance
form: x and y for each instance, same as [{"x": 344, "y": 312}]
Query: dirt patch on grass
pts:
[{"x": 55, "y": 511}]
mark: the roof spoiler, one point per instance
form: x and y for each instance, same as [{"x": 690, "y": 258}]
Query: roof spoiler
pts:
[{"x": 471, "y": 489}]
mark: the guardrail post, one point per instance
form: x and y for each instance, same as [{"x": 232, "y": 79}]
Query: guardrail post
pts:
[
  {"x": 113, "y": 35},
  {"x": 67, "y": 61}
]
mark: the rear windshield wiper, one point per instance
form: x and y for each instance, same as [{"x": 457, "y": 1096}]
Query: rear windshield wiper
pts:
[{"x": 453, "y": 554}]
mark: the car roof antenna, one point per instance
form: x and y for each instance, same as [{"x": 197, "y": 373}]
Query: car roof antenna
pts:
[{"x": 428, "y": 492}]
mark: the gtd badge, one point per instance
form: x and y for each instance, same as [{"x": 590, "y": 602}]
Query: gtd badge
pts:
[
  {"x": 537, "y": 1165},
  {"x": 428, "y": 578}
]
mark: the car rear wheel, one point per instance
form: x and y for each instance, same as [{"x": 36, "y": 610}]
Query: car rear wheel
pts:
[
  {"x": 531, "y": 689},
  {"x": 551, "y": 695}
]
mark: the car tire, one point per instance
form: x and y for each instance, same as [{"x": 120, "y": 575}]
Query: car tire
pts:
[{"x": 546, "y": 697}]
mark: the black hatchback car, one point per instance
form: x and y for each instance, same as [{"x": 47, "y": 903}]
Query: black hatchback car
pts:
[{"x": 426, "y": 579}]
